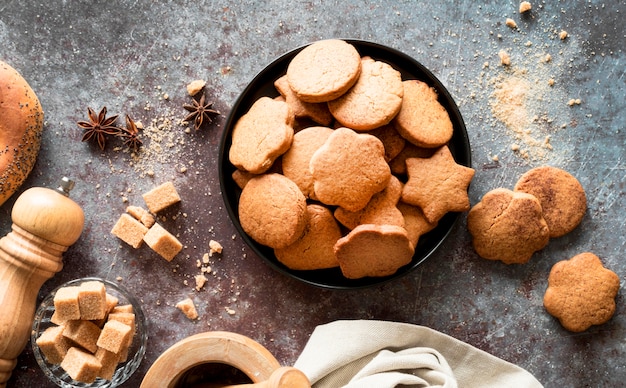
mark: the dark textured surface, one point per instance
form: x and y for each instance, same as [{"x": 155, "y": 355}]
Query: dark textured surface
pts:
[{"x": 136, "y": 57}]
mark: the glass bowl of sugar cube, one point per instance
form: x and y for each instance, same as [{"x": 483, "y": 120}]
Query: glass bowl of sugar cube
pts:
[{"x": 89, "y": 332}]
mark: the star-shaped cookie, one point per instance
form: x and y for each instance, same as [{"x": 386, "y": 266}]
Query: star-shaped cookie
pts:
[{"x": 437, "y": 185}]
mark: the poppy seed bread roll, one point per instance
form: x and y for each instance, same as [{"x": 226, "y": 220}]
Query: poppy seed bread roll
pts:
[{"x": 21, "y": 125}]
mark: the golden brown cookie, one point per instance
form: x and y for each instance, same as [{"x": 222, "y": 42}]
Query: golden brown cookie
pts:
[
  {"x": 507, "y": 226},
  {"x": 398, "y": 164},
  {"x": 261, "y": 135},
  {"x": 422, "y": 120},
  {"x": 373, "y": 250},
  {"x": 373, "y": 101},
  {"x": 415, "y": 222},
  {"x": 272, "y": 210},
  {"x": 581, "y": 292},
  {"x": 317, "y": 112},
  {"x": 296, "y": 160},
  {"x": 349, "y": 169},
  {"x": 392, "y": 141},
  {"x": 324, "y": 70},
  {"x": 562, "y": 197},
  {"x": 437, "y": 185},
  {"x": 315, "y": 249},
  {"x": 380, "y": 210}
]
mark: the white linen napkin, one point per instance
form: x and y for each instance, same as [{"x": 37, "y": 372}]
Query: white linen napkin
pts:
[{"x": 381, "y": 354}]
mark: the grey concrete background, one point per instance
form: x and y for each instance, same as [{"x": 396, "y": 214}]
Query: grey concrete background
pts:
[{"x": 136, "y": 57}]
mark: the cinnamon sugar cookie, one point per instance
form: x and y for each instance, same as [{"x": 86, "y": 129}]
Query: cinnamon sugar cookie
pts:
[
  {"x": 562, "y": 197},
  {"x": 349, "y": 169},
  {"x": 296, "y": 160},
  {"x": 380, "y": 210},
  {"x": 272, "y": 210},
  {"x": 437, "y": 185},
  {"x": 318, "y": 112},
  {"x": 373, "y": 101},
  {"x": 422, "y": 120},
  {"x": 315, "y": 249},
  {"x": 507, "y": 226},
  {"x": 361, "y": 252},
  {"x": 324, "y": 70},
  {"x": 261, "y": 135},
  {"x": 392, "y": 141},
  {"x": 415, "y": 222},
  {"x": 581, "y": 292}
]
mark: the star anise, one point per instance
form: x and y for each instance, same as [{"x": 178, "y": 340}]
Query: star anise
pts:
[
  {"x": 200, "y": 111},
  {"x": 98, "y": 126},
  {"x": 130, "y": 135}
]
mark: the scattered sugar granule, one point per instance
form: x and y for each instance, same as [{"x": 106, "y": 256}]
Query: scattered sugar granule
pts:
[
  {"x": 573, "y": 102},
  {"x": 188, "y": 308},
  {"x": 563, "y": 34},
  {"x": 214, "y": 247},
  {"x": 200, "y": 281},
  {"x": 194, "y": 87},
  {"x": 524, "y": 6}
]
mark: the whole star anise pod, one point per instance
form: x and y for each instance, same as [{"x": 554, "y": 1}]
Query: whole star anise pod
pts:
[
  {"x": 98, "y": 126},
  {"x": 130, "y": 135},
  {"x": 200, "y": 111}
]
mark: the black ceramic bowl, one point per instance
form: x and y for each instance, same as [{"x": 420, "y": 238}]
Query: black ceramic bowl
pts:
[{"x": 263, "y": 85}]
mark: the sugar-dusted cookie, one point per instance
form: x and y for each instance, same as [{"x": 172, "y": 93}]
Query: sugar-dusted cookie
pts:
[
  {"x": 392, "y": 141},
  {"x": 272, "y": 210},
  {"x": 562, "y": 197},
  {"x": 380, "y": 210},
  {"x": 261, "y": 135},
  {"x": 508, "y": 226},
  {"x": 315, "y": 249},
  {"x": 324, "y": 70},
  {"x": 437, "y": 185},
  {"x": 581, "y": 292},
  {"x": 349, "y": 169},
  {"x": 415, "y": 222},
  {"x": 422, "y": 120},
  {"x": 296, "y": 160},
  {"x": 373, "y": 101},
  {"x": 317, "y": 112},
  {"x": 373, "y": 250},
  {"x": 398, "y": 164}
]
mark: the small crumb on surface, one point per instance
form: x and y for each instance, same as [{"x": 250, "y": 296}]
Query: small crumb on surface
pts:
[
  {"x": 511, "y": 23},
  {"x": 188, "y": 308},
  {"x": 505, "y": 59},
  {"x": 525, "y": 6},
  {"x": 194, "y": 87}
]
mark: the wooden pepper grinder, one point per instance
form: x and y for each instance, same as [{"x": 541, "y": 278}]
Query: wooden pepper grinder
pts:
[{"x": 45, "y": 223}]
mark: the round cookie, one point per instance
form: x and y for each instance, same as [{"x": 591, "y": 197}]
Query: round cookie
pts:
[
  {"x": 272, "y": 210},
  {"x": 315, "y": 249},
  {"x": 581, "y": 292},
  {"x": 507, "y": 226},
  {"x": 373, "y": 250},
  {"x": 296, "y": 160},
  {"x": 561, "y": 195},
  {"x": 422, "y": 120},
  {"x": 373, "y": 101},
  {"x": 349, "y": 169},
  {"x": 261, "y": 135},
  {"x": 324, "y": 70}
]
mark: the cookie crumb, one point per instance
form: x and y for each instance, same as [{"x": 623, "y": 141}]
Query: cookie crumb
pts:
[
  {"x": 505, "y": 58},
  {"x": 200, "y": 281},
  {"x": 573, "y": 102},
  {"x": 188, "y": 308},
  {"x": 563, "y": 34},
  {"x": 194, "y": 87},
  {"x": 511, "y": 23},
  {"x": 524, "y": 6},
  {"x": 215, "y": 247}
]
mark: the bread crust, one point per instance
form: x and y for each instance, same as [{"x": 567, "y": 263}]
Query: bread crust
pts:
[{"x": 21, "y": 126}]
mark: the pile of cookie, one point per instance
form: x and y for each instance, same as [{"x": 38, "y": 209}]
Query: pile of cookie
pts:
[
  {"x": 511, "y": 225},
  {"x": 348, "y": 167}
]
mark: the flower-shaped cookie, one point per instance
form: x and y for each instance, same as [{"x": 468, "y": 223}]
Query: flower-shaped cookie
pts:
[{"x": 581, "y": 292}]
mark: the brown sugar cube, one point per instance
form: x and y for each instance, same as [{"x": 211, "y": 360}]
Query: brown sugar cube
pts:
[
  {"x": 83, "y": 333},
  {"x": 56, "y": 320},
  {"x": 114, "y": 336},
  {"x": 109, "y": 362},
  {"x": 81, "y": 366},
  {"x": 162, "y": 242},
  {"x": 66, "y": 304},
  {"x": 92, "y": 300},
  {"x": 111, "y": 303},
  {"x": 142, "y": 215},
  {"x": 125, "y": 308},
  {"x": 127, "y": 319},
  {"x": 161, "y": 197},
  {"x": 129, "y": 230},
  {"x": 53, "y": 344},
  {"x": 188, "y": 308}
]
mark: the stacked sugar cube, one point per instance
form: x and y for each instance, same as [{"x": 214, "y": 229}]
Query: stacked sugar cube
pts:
[{"x": 92, "y": 333}]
